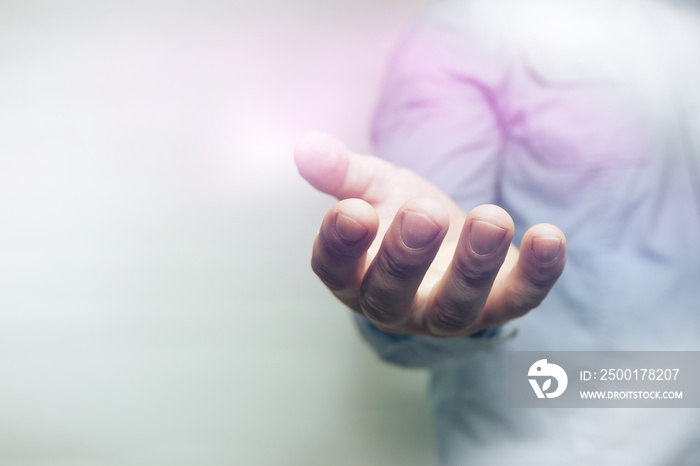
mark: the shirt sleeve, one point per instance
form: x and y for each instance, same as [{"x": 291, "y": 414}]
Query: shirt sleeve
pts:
[
  {"x": 439, "y": 114},
  {"x": 425, "y": 352}
]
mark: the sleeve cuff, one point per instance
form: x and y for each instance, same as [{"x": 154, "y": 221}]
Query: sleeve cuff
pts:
[{"x": 430, "y": 352}]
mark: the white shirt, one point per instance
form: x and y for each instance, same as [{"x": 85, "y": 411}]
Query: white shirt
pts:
[{"x": 583, "y": 114}]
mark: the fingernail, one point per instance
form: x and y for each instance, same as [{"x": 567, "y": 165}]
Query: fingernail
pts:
[
  {"x": 349, "y": 229},
  {"x": 545, "y": 248},
  {"x": 417, "y": 230},
  {"x": 485, "y": 237}
]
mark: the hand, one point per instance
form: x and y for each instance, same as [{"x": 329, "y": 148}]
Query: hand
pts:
[{"x": 403, "y": 254}]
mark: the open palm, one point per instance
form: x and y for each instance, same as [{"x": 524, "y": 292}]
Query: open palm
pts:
[{"x": 402, "y": 253}]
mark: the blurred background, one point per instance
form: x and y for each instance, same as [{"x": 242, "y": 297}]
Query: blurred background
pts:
[{"x": 156, "y": 301}]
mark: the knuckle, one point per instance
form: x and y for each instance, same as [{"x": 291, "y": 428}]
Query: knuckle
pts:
[
  {"x": 334, "y": 250},
  {"x": 449, "y": 320},
  {"x": 543, "y": 276},
  {"x": 329, "y": 279},
  {"x": 338, "y": 251},
  {"x": 543, "y": 280},
  {"x": 379, "y": 310},
  {"x": 471, "y": 276},
  {"x": 395, "y": 268},
  {"x": 522, "y": 299}
]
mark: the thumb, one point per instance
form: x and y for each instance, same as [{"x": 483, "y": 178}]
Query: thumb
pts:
[{"x": 328, "y": 165}]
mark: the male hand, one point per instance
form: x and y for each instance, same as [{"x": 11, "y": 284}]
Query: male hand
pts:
[{"x": 402, "y": 253}]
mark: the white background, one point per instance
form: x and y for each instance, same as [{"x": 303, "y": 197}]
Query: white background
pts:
[{"x": 156, "y": 302}]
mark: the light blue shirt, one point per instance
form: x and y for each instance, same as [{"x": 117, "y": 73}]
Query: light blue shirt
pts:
[{"x": 583, "y": 114}]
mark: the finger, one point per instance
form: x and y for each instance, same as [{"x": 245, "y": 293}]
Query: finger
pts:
[
  {"x": 339, "y": 252},
  {"x": 407, "y": 250},
  {"x": 539, "y": 264},
  {"x": 462, "y": 293},
  {"x": 330, "y": 167}
]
